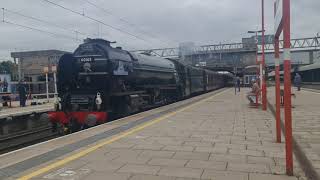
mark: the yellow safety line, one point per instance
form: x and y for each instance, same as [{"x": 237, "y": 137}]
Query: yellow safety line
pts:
[{"x": 93, "y": 148}]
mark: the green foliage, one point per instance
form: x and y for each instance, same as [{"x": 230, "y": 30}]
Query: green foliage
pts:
[{"x": 8, "y": 67}]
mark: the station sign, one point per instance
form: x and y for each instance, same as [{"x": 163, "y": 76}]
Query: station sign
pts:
[
  {"x": 278, "y": 14},
  {"x": 54, "y": 68},
  {"x": 268, "y": 39},
  {"x": 203, "y": 64},
  {"x": 46, "y": 69}
]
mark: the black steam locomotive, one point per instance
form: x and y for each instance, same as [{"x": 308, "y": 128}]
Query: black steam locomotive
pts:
[{"x": 98, "y": 83}]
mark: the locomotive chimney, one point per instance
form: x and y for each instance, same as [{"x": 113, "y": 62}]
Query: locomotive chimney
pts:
[{"x": 86, "y": 40}]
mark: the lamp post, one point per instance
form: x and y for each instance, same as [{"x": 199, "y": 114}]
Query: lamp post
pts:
[
  {"x": 264, "y": 85},
  {"x": 262, "y": 64},
  {"x": 235, "y": 67},
  {"x": 258, "y": 61},
  {"x": 54, "y": 70},
  {"x": 46, "y": 71},
  {"x": 256, "y": 43}
]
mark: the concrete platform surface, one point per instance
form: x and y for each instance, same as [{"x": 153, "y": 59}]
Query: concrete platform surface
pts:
[
  {"x": 218, "y": 137},
  {"x": 18, "y": 111},
  {"x": 306, "y": 125}
]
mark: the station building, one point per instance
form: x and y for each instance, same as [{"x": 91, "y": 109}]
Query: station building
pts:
[{"x": 31, "y": 68}]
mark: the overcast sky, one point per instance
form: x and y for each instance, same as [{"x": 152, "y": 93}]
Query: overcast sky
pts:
[{"x": 159, "y": 23}]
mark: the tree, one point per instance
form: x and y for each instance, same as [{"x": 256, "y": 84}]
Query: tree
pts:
[{"x": 8, "y": 67}]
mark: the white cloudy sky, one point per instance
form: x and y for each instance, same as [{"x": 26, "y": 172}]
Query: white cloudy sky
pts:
[{"x": 161, "y": 23}]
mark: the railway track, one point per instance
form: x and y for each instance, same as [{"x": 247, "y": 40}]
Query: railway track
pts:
[{"x": 22, "y": 139}]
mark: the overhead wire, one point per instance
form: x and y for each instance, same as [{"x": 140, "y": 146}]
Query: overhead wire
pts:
[
  {"x": 44, "y": 21},
  {"x": 109, "y": 12},
  {"x": 39, "y": 30},
  {"x": 4, "y": 20},
  {"x": 99, "y": 21},
  {"x": 125, "y": 21}
]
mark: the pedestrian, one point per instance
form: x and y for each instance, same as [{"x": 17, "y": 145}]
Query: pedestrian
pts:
[
  {"x": 22, "y": 94},
  {"x": 297, "y": 81},
  {"x": 1, "y": 85},
  {"x": 238, "y": 83},
  {"x": 5, "y": 85}
]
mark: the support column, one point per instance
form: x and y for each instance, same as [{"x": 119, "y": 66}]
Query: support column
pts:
[
  {"x": 287, "y": 86},
  {"x": 277, "y": 88},
  {"x": 264, "y": 84},
  {"x": 311, "y": 57},
  {"x": 47, "y": 87},
  {"x": 20, "y": 69},
  {"x": 30, "y": 123},
  {"x": 5, "y": 129}
]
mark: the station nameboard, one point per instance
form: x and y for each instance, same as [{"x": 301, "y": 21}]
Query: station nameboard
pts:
[{"x": 268, "y": 39}]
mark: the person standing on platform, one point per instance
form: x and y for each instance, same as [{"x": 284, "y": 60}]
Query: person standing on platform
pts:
[
  {"x": 297, "y": 81},
  {"x": 1, "y": 86},
  {"x": 22, "y": 94},
  {"x": 5, "y": 85},
  {"x": 238, "y": 83}
]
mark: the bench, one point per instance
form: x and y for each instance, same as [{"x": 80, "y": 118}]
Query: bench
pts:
[
  {"x": 256, "y": 99},
  {"x": 5, "y": 99}
]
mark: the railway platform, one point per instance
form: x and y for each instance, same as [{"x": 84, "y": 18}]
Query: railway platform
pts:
[
  {"x": 211, "y": 136},
  {"x": 19, "y": 111},
  {"x": 306, "y": 127}
]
